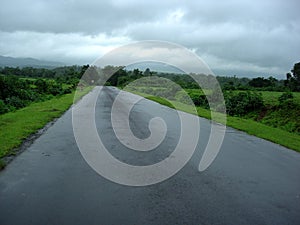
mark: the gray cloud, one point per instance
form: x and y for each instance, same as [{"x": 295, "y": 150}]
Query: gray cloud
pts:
[
  {"x": 89, "y": 17},
  {"x": 255, "y": 36}
]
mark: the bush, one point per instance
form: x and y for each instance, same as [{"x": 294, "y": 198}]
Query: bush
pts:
[
  {"x": 67, "y": 91},
  {"x": 288, "y": 104},
  {"x": 241, "y": 103},
  {"x": 3, "y": 107},
  {"x": 41, "y": 85},
  {"x": 16, "y": 102},
  {"x": 285, "y": 116},
  {"x": 285, "y": 96},
  {"x": 55, "y": 90},
  {"x": 199, "y": 99}
]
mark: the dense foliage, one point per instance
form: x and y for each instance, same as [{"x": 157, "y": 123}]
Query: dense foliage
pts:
[
  {"x": 20, "y": 87},
  {"x": 293, "y": 79},
  {"x": 122, "y": 77},
  {"x": 16, "y": 93},
  {"x": 241, "y": 103},
  {"x": 284, "y": 115}
]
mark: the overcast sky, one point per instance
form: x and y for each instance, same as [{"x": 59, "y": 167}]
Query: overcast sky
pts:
[{"x": 259, "y": 37}]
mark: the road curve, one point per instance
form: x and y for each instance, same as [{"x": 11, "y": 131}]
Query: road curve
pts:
[{"x": 252, "y": 181}]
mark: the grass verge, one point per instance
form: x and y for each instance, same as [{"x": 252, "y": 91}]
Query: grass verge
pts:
[
  {"x": 15, "y": 127},
  {"x": 276, "y": 135},
  {"x": 160, "y": 101}
]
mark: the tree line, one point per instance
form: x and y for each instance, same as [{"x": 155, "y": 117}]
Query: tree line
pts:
[
  {"x": 21, "y": 86},
  {"x": 121, "y": 77},
  {"x": 17, "y": 90}
]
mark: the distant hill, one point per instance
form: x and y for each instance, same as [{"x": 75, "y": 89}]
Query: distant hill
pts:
[
  {"x": 154, "y": 66},
  {"x": 24, "y": 62}
]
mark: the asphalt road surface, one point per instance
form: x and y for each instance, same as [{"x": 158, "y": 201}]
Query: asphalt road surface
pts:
[{"x": 252, "y": 181}]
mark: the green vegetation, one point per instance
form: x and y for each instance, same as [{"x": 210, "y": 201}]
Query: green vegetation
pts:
[
  {"x": 293, "y": 79},
  {"x": 242, "y": 103},
  {"x": 276, "y": 135},
  {"x": 21, "y": 87},
  {"x": 17, "y": 126},
  {"x": 272, "y": 97},
  {"x": 161, "y": 101},
  {"x": 281, "y": 110},
  {"x": 16, "y": 93},
  {"x": 32, "y": 97},
  {"x": 262, "y": 107}
]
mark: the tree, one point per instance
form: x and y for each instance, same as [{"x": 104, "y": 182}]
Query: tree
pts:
[
  {"x": 272, "y": 81},
  {"x": 260, "y": 82},
  {"x": 41, "y": 85},
  {"x": 136, "y": 73},
  {"x": 293, "y": 79},
  {"x": 242, "y": 103},
  {"x": 147, "y": 72},
  {"x": 296, "y": 71}
]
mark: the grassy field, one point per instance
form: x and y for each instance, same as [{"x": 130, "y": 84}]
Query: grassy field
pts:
[
  {"x": 15, "y": 127},
  {"x": 276, "y": 135},
  {"x": 271, "y": 97}
]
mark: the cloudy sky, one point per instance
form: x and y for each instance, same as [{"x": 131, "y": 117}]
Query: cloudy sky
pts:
[{"x": 258, "y": 37}]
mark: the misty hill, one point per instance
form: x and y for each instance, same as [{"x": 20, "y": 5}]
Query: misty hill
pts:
[
  {"x": 24, "y": 62},
  {"x": 154, "y": 66}
]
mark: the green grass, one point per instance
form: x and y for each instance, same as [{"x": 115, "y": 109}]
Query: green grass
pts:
[
  {"x": 276, "y": 135},
  {"x": 271, "y": 97},
  {"x": 161, "y": 101},
  {"x": 15, "y": 127}
]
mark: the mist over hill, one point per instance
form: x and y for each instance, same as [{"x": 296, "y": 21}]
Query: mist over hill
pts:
[{"x": 26, "y": 62}]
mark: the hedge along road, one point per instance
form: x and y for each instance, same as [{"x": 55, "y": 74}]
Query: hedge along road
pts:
[{"x": 252, "y": 181}]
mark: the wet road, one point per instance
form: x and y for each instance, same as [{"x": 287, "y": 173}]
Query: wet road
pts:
[{"x": 252, "y": 181}]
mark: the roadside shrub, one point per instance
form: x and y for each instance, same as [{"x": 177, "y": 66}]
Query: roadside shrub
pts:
[
  {"x": 55, "y": 90},
  {"x": 285, "y": 96},
  {"x": 41, "y": 85},
  {"x": 3, "y": 107},
  {"x": 239, "y": 104},
  {"x": 195, "y": 98},
  {"x": 27, "y": 95},
  {"x": 67, "y": 90},
  {"x": 288, "y": 104},
  {"x": 16, "y": 102},
  {"x": 285, "y": 116},
  {"x": 199, "y": 99}
]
